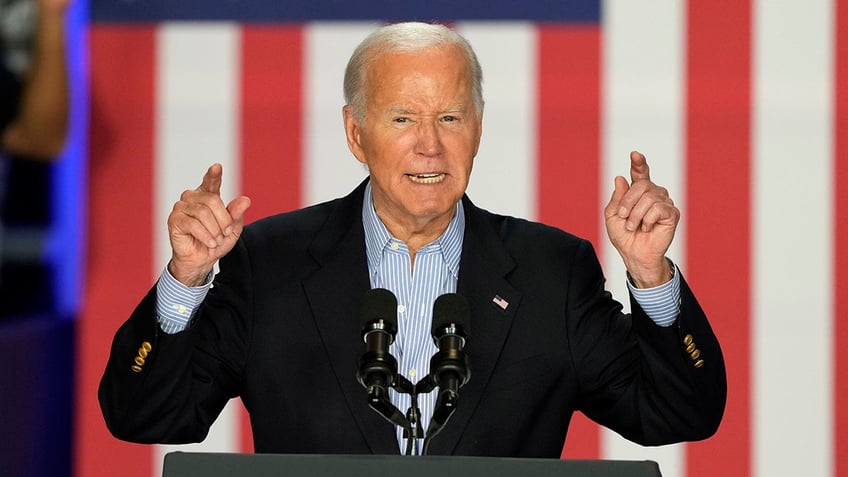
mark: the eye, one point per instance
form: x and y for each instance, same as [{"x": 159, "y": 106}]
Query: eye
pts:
[
  {"x": 449, "y": 119},
  {"x": 400, "y": 120}
]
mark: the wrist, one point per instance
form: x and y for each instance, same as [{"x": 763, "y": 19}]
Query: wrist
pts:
[
  {"x": 189, "y": 278},
  {"x": 651, "y": 276}
]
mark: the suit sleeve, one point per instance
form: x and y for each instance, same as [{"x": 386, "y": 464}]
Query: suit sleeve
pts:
[
  {"x": 652, "y": 385},
  {"x": 161, "y": 388}
]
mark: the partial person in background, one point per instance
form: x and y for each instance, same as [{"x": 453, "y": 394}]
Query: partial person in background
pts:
[{"x": 33, "y": 127}]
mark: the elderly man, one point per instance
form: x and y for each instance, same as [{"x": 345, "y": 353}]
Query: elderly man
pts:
[{"x": 278, "y": 325}]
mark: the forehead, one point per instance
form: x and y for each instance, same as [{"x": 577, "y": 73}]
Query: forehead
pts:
[{"x": 441, "y": 70}]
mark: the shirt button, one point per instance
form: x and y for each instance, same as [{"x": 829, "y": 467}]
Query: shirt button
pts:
[
  {"x": 181, "y": 309},
  {"x": 394, "y": 246},
  {"x": 401, "y": 308},
  {"x": 412, "y": 373}
]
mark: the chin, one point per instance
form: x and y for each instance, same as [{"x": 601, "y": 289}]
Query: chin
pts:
[{"x": 434, "y": 212}]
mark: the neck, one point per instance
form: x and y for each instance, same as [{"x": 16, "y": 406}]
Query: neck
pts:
[
  {"x": 416, "y": 234},
  {"x": 416, "y": 237}
]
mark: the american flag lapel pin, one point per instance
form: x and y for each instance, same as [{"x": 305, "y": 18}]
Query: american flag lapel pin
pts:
[{"x": 497, "y": 300}]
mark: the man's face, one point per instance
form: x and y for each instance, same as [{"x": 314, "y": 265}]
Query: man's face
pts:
[{"x": 419, "y": 137}]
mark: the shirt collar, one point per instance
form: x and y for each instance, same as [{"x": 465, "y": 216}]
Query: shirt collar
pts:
[{"x": 378, "y": 238}]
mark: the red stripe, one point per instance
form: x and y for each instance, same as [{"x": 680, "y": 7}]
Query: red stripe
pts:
[
  {"x": 718, "y": 185},
  {"x": 569, "y": 107},
  {"x": 271, "y": 118},
  {"x": 840, "y": 252},
  {"x": 271, "y": 128},
  {"x": 119, "y": 233}
]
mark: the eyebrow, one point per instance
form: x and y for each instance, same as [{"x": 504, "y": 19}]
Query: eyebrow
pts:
[{"x": 453, "y": 109}]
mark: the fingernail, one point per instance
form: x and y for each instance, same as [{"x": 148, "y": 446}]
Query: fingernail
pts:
[
  {"x": 630, "y": 226},
  {"x": 622, "y": 212},
  {"x": 228, "y": 231},
  {"x": 212, "y": 244}
]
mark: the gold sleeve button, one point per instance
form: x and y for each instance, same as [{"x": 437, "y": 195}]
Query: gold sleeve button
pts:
[
  {"x": 688, "y": 339},
  {"x": 143, "y": 352},
  {"x": 699, "y": 363}
]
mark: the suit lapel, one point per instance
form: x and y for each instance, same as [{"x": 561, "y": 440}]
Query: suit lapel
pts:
[
  {"x": 493, "y": 301},
  {"x": 335, "y": 292}
]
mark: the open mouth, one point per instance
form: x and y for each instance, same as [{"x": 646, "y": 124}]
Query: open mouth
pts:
[{"x": 426, "y": 178}]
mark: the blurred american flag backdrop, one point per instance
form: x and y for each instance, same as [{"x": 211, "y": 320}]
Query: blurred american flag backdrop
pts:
[{"x": 740, "y": 106}]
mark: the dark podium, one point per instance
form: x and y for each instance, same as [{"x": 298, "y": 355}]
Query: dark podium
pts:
[{"x": 189, "y": 464}]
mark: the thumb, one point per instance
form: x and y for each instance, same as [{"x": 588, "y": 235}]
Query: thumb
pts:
[{"x": 238, "y": 206}]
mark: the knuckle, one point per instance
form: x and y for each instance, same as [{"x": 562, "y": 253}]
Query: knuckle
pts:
[{"x": 178, "y": 207}]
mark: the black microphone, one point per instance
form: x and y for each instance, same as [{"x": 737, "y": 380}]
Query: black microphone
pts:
[
  {"x": 449, "y": 367},
  {"x": 378, "y": 320}
]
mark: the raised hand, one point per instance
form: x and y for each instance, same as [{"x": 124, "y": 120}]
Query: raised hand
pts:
[
  {"x": 641, "y": 220},
  {"x": 202, "y": 229}
]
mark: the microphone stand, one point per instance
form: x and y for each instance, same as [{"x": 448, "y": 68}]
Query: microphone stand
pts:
[
  {"x": 379, "y": 401},
  {"x": 444, "y": 409},
  {"x": 413, "y": 416}
]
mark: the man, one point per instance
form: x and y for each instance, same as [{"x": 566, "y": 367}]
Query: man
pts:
[{"x": 279, "y": 326}]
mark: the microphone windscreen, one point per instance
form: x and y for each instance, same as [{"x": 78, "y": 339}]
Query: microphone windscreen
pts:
[
  {"x": 379, "y": 304},
  {"x": 451, "y": 308}
]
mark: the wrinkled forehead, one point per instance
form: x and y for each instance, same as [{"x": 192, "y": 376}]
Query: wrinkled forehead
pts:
[
  {"x": 445, "y": 62},
  {"x": 437, "y": 73},
  {"x": 447, "y": 55}
]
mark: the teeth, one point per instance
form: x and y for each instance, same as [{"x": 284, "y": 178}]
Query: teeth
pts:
[{"x": 426, "y": 178}]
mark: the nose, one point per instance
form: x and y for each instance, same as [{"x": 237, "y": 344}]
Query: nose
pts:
[{"x": 429, "y": 141}]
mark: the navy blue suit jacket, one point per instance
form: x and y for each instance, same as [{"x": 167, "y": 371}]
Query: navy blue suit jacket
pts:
[{"x": 280, "y": 329}]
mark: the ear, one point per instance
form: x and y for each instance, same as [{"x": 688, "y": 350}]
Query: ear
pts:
[
  {"x": 479, "y": 133},
  {"x": 353, "y": 132}
]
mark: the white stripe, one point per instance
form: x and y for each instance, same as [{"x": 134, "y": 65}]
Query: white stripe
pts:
[
  {"x": 643, "y": 71},
  {"x": 197, "y": 125},
  {"x": 792, "y": 238},
  {"x": 330, "y": 170},
  {"x": 504, "y": 176}
]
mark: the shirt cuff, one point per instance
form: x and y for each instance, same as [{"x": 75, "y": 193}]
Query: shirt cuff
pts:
[
  {"x": 661, "y": 303},
  {"x": 176, "y": 303}
]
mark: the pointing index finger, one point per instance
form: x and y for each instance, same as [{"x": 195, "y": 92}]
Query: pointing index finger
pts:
[
  {"x": 212, "y": 179},
  {"x": 639, "y": 169}
]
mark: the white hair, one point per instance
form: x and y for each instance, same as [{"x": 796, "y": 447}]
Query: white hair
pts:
[{"x": 402, "y": 38}]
